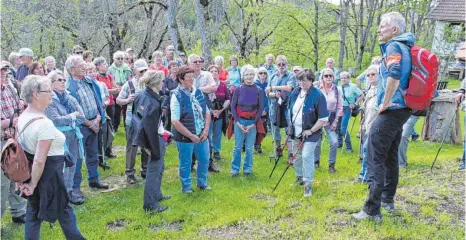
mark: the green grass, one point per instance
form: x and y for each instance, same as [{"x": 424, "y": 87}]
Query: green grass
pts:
[{"x": 430, "y": 205}]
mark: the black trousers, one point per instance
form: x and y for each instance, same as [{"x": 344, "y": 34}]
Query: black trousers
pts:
[
  {"x": 382, "y": 158},
  {"x": 117, "y": 116}
]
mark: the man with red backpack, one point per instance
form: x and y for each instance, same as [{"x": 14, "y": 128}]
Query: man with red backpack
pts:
[
  {"x": 10, "y": 107},
  {"x": 385, "y": 133}
]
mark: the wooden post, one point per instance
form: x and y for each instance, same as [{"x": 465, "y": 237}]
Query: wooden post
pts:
[{"x": 438, "y": 118}]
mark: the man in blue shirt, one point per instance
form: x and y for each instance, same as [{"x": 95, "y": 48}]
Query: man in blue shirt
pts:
[{"x": 385, "y": 133}]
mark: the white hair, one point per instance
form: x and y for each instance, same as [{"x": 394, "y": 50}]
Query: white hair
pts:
[
  {"x": 345, "y": 73},
  {"x": 372, "y": 68},
  {"x": 71, "y": 60},
  {"x": 191, "y": 57},
  {"x": 118, "y": 54},
  {"x": 330, "y": 59},
  {"x": 376, "y": 60},
  {"x": 395, "y": 19},
  {"x": 321, "y": 78},
  {"x": 48, "y": 59},
  {"x": 219, "y": 59},
  {"x": 247, "y": 68}
]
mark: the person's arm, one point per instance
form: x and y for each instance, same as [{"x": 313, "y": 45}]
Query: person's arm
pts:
[
  {"x": 234, "y": 103},
  {"x": 360, "y": 96},
  {"x": 261, "y": 106},
  {"x": 123, "y": 96},
  {"x": 151, "y": 131},
  {"x": 205, "y": 132},
  {"x": 175, "y": 110},
  {"x": 40, "y": 157},
  {"x": 58, "y": 120},
  {"x": 211, "y": 86},
  {"x": 115, "y": 89},
  {"x": 322, "y": 114}
]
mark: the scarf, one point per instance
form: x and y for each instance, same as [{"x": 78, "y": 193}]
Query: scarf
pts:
[
  {"x": 63, "y": 98},
  {"x": 120, "y": 74}
]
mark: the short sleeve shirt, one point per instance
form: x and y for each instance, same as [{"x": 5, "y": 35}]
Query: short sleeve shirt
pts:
[{"x": 124, "y": 94}]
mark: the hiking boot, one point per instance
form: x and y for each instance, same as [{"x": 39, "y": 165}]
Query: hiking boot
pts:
[
  {"x": 131, "y": 179},
  {"x": 217, "y": 156},
  {"x": 307, "y": 189},
  {"x": 76, "y": 197},
  {"x": 390, "y": 207},
  {"x": 213, "y": 168},
  {"x": 234, "y": 174},
  {"x": 19, "y": 220},
  {"x": 204, "y": 188},
  {"x": 331, "y": 168},
  {"x": 248, "y": 174},
  {"x": 187, "y": 191},
  {"x": 316, "y": 164},
  {"x": 299, "y": 181},
  {"x": 279, "y": 151},
  {"x": 349, "y": 150},
  {"x": 110, "y": 154},
  {"x": 360, "y": 160},
  {"x": 461, "y": 167},
  {"x": 363, "y": 216},
  {"x": 155, "y": 210},
  {"x": 259, "y": 150},
  {"x": 414, "y": 138}
]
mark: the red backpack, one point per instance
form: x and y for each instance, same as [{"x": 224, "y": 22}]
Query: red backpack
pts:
[{"x": 423, "y": 80}]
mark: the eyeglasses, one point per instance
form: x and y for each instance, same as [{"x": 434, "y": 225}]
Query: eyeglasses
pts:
[
  {"x": 78, "y": 53},
  {"x": 281, "y": 64},
  {"x": 196, "y": 62},
  {"x": 48, "y": 91},
  {"x": 262, "y": 73},
  {"x": 370, "y": 75},
  {"x": 61, "y": 80},
  {"x": 143, "y": 71},
  {"x": 119, "y": 58},
  {"x": 328, "y": 75},
  {"x": 5, "y": 69},
  {"x": 296, "y": 70}
]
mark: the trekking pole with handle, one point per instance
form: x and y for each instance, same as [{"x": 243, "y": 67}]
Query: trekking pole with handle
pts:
[
  {"x": 444, "y": 136},
  {"x": 290, "y": 163},
  {"x": 279, "y": 155}
]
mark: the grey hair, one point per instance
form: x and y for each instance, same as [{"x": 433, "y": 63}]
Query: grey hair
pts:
[
  {"x": 151, "y": 78},
  {"x": 48, "y": 59},
  {"x": 395, "y": 19},
  {"x": 32, "y": 84},
  {"x": 323, "y": 73},
  {"x": 262, "y": 69},
  {"x": 12, "y": 57},
  {"x": 269, "y": 55},
  {"x": 372, "y": 68},
  {"x": 99, "y": 60},
  {"x": 345, "y": 73},
  {"x": 118, "y": 53},
  {"x": 219, "y": 59},
  {"x": 157, "y": 54},
  {"x": 281, "y": 58},
  {"x": 53, "y": 75},
  {"x": 376, "y": 60},
  {"x": 71, "y": 60},
  {"x": 247, "y": 68},
  {"x": 330, "y": 59},
  {"x": 191, "y": 57}
]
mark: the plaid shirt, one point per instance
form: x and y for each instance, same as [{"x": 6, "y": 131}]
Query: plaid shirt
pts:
[
  {"x": 9, "y": 101},
  {"x": 87, "y": 99}
]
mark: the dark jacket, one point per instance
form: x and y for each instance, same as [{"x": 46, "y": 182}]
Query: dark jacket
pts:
[
  {"x": 147, "y": 111},
  {"x": 73, "y": 89}
]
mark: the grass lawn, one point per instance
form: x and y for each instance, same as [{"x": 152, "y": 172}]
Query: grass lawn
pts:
[{"x": 430, "y": 205}]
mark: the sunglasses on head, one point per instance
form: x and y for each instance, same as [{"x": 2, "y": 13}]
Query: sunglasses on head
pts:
[
  {"x": 370, "y": 75},
  {"x": 328, "y": 75}
]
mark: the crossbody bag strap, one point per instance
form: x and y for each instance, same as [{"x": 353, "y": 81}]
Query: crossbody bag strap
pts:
[{"x": 27, "y": 125}]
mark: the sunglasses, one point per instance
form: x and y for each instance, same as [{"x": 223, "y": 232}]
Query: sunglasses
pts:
[
  {"x": 78, "y": 52},
  {"x": 48, "y": 91},
  {"x": 262, "y": 73},
  {"x": 5, "y": 69},
  {"x": 61, "y": 80},
  {"x": 370, "y": 75},
  {"x": 281, "y": 64},
  {"x": 328, "y": 75},
  {"x": 119, "y": 58},
  {"x": 143, "y": 71},
  {"x": 297, "y": 70},
  {"x": 198, "y": 62}
]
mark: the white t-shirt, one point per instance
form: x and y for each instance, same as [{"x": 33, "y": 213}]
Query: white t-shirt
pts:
[
  {"x": 42, "y": 129},
  {"x": 298, "y": 115}
]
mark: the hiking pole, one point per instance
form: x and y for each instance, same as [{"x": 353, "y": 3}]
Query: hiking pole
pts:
[
  {"x": 279, "y": 155},
  {"x": 444, "y": 136},
  {"x": 344, "y": 139},
  {"x": 290, "y": 163},
  {"x": 273, "y": 154}
]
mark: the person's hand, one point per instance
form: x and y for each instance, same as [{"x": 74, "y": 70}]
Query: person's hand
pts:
[
  {"x": 459, "y": 98},
  {"x": 76, "y": 114},
  {"x": 264, "y": 113},
  {"x": 147, "y": 151},
  {"x": 277, "y": 95},
  {"x": 241, "y": 127},
  {"x": 194, "y": 138},
  {"x": 351, "y": 106},
  {"x": 131, "y": 98},
  {"x": 26, "y": 189},
  {"x": 333, "y": 127},
  {"x": 383, "y": 107},
  {"x": 204, "y": 135},
  {"x": 248, "y": 128},
  {"x": 307, "y": 133},
  {"x": 216, "y": 113}
]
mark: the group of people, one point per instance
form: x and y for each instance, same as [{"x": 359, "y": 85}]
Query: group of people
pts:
[{"x": 69, "y": 116}]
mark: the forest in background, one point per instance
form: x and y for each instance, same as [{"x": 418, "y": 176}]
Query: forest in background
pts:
[{"x": 307, "y": 32}]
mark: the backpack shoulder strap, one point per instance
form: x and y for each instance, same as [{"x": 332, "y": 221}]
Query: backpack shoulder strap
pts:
[
  {"x": 132, "y": 89},
  {"x": 27, "y": 125}
]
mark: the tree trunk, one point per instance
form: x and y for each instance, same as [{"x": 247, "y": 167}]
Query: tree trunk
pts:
[
  {"x": 173, "y": 26},
  {"x": 204, "y": 30},
  {"x": 374, "y": 40},
  {"x": 316, "y": 35},
  {"x": 437, "y": 122},
  {"x": 366, "y": 32},
  {"x": 343, "y": 27}
]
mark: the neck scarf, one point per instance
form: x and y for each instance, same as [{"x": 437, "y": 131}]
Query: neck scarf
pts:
[
  {"x": 120, "y": 75},
  {"x": 62, "y": 97}
]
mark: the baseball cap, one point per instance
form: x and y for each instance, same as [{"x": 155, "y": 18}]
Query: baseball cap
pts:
[
  {"x": 26, "y": 52},
  {"x": 4, "y": 64},
  {"x": 181, "y": 54},
  {"x": 298, "y": 68},
  {"x": 129, "y": 50},
  {"x": 140, "y": 65}
]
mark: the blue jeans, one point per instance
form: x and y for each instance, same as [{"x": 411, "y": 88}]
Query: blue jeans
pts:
[
  {"x": 185, "y": 154},
  {"x": 363, "y": 173},
  {"x": 408, "y": 129},
  {"x": 304, "y": 161},
  {"x": 344, "y": 128},
  {"x": 241, "y": 138},
  {"x": 333, "y": 140},
  {"x": 90, "y": 141},
  {"x": 216, "y": 129}
]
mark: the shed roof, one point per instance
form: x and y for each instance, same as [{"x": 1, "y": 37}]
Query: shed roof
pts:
[{"x": 449, "y": 11}]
